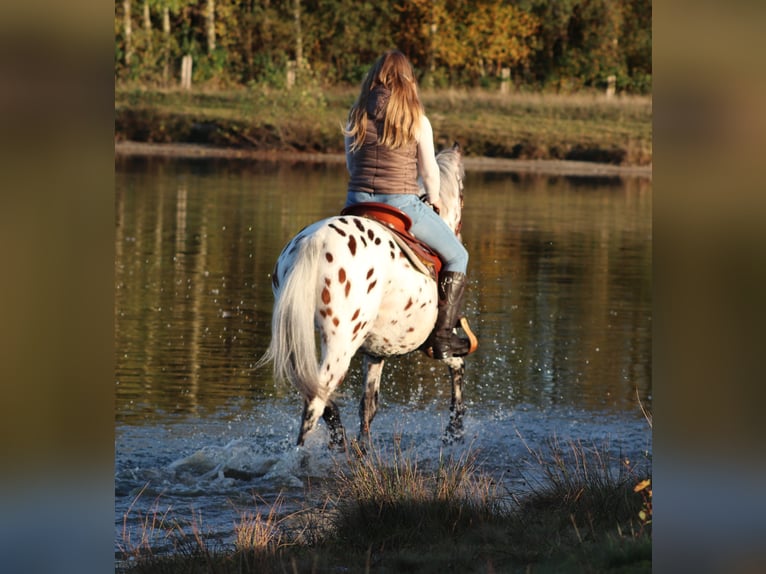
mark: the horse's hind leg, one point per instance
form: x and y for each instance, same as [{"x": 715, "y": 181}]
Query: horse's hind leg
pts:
[
  {"x": 331, "y": 416},
  {"x": 454, "y": 431},
  {"x": 312, "y": 410},
  {"x": 328, "y": 410},
  {"x": 372, "y": 369}
]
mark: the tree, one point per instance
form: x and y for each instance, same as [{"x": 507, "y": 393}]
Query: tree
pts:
[
  {"x": 553, "y": 37},
  {"x": 593, "y": 31},
  {"x": 499, "y": 34},
  {"x": 147, "y": 23},
  {"x": 567, "y": 44},
  {"x": 260, "y": 39},
  {"x": 166, "y": 43},
  {"x": 298, "y": 33},
  {"x": 128, "y": 31},
  {"x": 583, "y": 42},
  {"x": 477, "y": 38},
  {"x": 343, "y": 37},
  {"x": 636, "y": 44},
  {"x": 210, "y": 25}
]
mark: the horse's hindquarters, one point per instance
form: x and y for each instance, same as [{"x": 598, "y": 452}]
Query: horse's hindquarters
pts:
[
  {"x": 406, "y": 315},
  {"x": 368, "y": 293}
]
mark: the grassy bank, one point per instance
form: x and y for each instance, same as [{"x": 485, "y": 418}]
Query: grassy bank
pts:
[
  {"x": 585, "y": 127},
  {"x": 383, "y": 512}
]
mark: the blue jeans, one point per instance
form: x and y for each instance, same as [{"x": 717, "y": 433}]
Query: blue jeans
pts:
[{"x": 426, "y": 226}]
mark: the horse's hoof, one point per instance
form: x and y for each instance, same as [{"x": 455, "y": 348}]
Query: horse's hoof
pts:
[
  {"x": 453, "y": 436},
  {"x": 337, "y": 446},
  {"x": 449, "y": 439}
]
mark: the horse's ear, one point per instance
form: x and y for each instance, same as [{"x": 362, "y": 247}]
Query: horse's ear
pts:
[{"x": 455, "y": 146}]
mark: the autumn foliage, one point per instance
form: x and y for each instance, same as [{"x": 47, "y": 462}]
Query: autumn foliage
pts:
[{"x": 563, "y": 46}]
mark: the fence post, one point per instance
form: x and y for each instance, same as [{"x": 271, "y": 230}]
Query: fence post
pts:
[
  {"x": 186, "y": 72},
  {"x": 505, "y": 80},
  {"x": 611, "y": 86},
  {"x": 292, "y": 67}
]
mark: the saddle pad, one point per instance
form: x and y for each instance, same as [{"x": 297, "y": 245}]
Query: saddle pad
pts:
[{"x": 416, "y": 261}]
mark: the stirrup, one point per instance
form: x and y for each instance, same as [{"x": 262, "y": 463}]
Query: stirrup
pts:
[{"x": 473, "y": 342}]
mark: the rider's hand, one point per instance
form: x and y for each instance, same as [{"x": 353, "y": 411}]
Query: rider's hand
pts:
[{"x": 437, "y": 205}]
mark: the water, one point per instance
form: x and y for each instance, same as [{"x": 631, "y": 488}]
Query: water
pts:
[{"x": 559, "y": 296}]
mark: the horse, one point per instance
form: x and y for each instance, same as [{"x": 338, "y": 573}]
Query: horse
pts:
[{"x": 347, "y": 278}]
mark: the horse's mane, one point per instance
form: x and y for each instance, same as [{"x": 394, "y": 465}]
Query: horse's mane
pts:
[{"x": 451, "y": 172}]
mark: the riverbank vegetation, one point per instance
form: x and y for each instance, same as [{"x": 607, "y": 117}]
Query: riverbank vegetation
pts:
[
  {"x": 529, "y": 45},
  {"x": 525, "y": 80},
  {"x": 308, "y": 118},
  {"x": 583, "y": 511}
]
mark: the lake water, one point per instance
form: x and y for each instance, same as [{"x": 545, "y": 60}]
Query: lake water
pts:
[{"x": 559, "y": 296}]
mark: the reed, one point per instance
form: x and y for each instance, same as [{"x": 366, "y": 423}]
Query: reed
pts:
[
  {"x": 257, "y": 532},
  {"x": 386, "y": 498},
  {"x": 163, "y": 544},
  {"x": 582, "y": 499},
  {"x": 138, "y": 544}
]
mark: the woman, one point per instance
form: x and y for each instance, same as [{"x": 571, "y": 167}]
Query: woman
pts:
[{"x": 389, "y": 143}]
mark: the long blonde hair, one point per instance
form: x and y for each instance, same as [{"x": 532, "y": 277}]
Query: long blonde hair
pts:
[{"x": 401, "y": 123}]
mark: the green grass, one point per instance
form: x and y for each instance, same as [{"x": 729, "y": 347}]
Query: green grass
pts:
[
  {"x": 585, "y": 127},
  {"x": 384, "y": 512}
]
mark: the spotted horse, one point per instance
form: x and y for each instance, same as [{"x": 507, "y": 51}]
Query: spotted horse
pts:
[{"x": 347, "y": 278}]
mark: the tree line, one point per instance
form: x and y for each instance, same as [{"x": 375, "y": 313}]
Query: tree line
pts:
[{"x": 566, "y": 45}]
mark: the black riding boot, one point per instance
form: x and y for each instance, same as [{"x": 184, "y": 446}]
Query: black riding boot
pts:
[{"x": 444, "y": 342}]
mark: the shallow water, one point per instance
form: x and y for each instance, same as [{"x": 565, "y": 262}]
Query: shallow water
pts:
[{"x": 559, "y": 296}]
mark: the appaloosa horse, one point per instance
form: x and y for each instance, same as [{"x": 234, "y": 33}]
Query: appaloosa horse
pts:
[{"x": 348, "y": 278}]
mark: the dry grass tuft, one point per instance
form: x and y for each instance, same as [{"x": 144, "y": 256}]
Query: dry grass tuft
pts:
[{"x": 388, "y": 499}]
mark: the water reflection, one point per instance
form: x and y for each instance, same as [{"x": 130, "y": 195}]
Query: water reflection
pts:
[
  {"x": 560, "y": 289},
  {"x": 560, "y": 297},
  {"x": 564, "y": 290}
]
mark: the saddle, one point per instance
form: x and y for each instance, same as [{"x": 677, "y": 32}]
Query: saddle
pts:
[{"x": 421, "y": 255}]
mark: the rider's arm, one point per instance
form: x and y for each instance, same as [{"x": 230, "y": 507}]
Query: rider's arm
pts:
[{"x": 427, "y": 167}]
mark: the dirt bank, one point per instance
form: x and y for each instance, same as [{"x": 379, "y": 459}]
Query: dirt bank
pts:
[{"x": 554, "y": 167}]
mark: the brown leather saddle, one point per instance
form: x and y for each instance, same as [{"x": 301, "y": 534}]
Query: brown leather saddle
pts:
[{"x": 399, "y": 223}]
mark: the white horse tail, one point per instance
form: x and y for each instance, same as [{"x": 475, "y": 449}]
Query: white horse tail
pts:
[{"x": 293, "y": 343}]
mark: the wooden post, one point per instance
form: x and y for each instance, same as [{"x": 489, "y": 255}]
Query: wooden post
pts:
[
  {"x": 505, "y": 80},
  {"x": 186, "y": 72},
  {"x": 291, "y": 68},
  {"x": 611, "y": 84}
]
